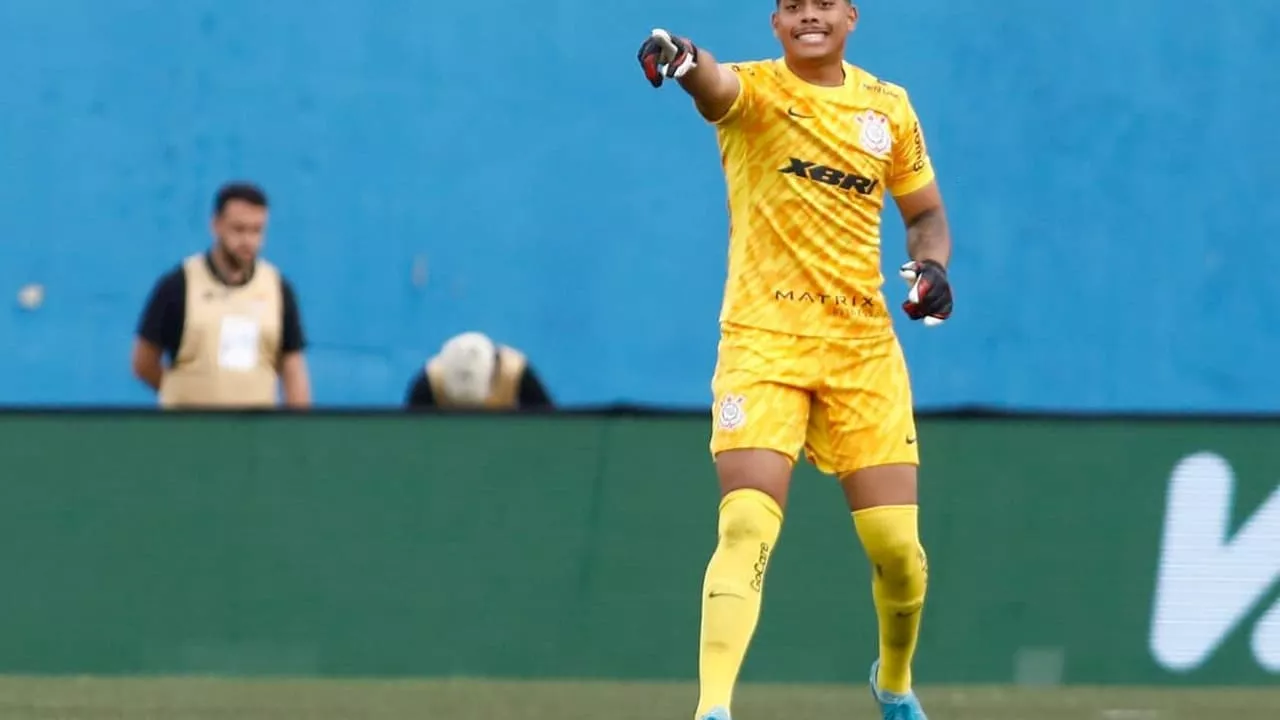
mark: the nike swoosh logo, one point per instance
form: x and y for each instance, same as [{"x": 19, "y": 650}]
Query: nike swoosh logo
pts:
[
  {"x": 723, "y": 594},
  {"x": 792, "y": 112},
  {"x": 911, "y": 441}
]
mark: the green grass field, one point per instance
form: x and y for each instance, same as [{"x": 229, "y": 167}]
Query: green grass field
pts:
[{"x": 210, "y": 699}]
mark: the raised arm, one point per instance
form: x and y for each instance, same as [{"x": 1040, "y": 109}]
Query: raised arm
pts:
[{"x": 713, "y": 87}]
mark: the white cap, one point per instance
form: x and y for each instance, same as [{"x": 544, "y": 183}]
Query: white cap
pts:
[{"x": 467, "y": 364}]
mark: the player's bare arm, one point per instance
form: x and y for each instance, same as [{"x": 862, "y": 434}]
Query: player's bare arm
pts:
[
  {"x": 929, "y": 247},
  {"x": 923, "y": 213},
  {"x": 713, "y": 86}
]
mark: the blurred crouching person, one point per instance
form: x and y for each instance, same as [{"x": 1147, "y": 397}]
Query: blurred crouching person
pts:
[{"x": 473, "y": 372}]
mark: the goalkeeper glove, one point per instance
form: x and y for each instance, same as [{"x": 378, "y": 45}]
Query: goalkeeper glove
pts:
[
  {"x": 665, "y": 55},
  {"x": 929, "y": 298}
]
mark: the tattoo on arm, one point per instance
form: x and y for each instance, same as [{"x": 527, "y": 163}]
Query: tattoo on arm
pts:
[{"x": 928, "y": 237}]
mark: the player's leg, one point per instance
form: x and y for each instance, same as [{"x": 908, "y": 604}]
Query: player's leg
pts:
[
  {"x": 885, "y": 514},
  {"x": 759, "y": 427},
  {"x": 870, "y": 422},
  {"x": 753, "y": 485}
]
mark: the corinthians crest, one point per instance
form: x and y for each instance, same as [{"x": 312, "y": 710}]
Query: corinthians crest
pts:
[{"x": 873, "y": 132}]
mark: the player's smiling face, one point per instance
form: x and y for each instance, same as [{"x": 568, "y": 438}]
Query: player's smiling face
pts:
[{"x": 813, "y": 29}]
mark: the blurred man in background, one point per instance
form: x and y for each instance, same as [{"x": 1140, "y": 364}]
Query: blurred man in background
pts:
[
  {"x": 473, "y": 372},
  {"x": 226, "y": 320}
]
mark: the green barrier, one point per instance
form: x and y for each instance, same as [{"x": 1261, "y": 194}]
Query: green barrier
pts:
[{"x": 563, "y": 546}]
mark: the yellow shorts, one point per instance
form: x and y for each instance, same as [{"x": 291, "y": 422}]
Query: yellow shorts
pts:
[{"x": 846, "y": 402}]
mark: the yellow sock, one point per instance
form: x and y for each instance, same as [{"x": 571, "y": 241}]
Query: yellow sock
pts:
[
  {"x": 899, "y": 575},
  {"x": 749, "y": 525}
]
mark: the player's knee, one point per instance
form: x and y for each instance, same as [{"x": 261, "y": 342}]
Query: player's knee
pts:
[
  {"x": 899, "y": 560},
  {"x": 750, "y": 522},
  {"x": 892, "y": 542},
  {"x": 749, "y": 517},
  {"x": 896, "y": 554}
]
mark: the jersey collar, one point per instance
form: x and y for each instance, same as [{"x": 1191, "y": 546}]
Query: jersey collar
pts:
[
  {"x": 796, "y": 83},
  {"x": 213, "y": 270}
]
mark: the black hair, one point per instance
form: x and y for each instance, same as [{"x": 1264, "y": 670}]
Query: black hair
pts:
[{"x": 242, "y": 191}]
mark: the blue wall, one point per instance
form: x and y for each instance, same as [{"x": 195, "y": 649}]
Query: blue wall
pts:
[{"x": 1109, "y": 166}]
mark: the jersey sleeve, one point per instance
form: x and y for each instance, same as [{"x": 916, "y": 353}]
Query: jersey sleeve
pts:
[
  {"x": 161, "y": 322},
  {"x": 747, "y": 76},
  {"x": 419, "y": 395},
  {"x": 294, "y": 338},
  {"x": 911, "y": 168},
  {"x": 533, "y": 394}
]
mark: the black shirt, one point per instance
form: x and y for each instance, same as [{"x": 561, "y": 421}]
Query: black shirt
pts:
[
  {"x": 530, "y": 395},
  {"x": 165, "y": 314}
]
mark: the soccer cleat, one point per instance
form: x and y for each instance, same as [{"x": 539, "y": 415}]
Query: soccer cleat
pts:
[
  {"x": 892, "y": 705},
  {"x": 715, "y": 713}
]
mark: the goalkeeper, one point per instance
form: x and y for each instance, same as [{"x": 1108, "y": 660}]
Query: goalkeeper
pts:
[{"x": 808, "y": 358}]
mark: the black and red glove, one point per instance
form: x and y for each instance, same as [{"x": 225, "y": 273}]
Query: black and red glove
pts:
[
  {"x": 929, "y": 298},
  {"x": 665, "y": 55}
]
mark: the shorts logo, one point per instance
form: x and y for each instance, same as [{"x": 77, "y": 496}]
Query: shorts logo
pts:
[
  {"x": 731, "y": 414},
  {"x": 874, "y": 133}
]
